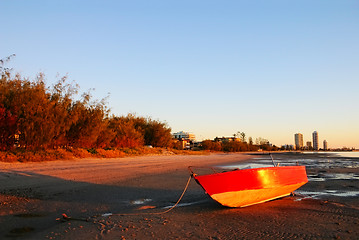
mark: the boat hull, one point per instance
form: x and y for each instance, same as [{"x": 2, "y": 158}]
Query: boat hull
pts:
[{"x": 241, "y": 188}]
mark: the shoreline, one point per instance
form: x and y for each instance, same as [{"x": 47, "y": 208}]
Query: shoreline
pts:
[{"x": 34, "y": 195}]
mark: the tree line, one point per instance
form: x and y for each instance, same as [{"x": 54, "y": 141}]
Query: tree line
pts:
[
  {"x": 238, "y": 143},
  {"x": 233, "y": 146},
  {"x": 36, "y": 117}
]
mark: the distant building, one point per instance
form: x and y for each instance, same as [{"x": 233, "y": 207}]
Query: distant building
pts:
[
  {"x": 227, "y": 139},
  {"x": 184, "y": 135},
  {"x": 186, "y": 140},
  {"x": 309, "y": 145},
  {"x": 325, "y": 145},
  {"x": 298, "y": 139},
  {"x": 287, "y": 147},
  {"x": 315, "y": 141}
]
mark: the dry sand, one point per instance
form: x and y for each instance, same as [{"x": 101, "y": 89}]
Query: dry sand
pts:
[{"x": 34, "y": 196}]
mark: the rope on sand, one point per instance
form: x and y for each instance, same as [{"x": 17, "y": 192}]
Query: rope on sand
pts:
[
  {"x": 66, "y": 218},
  {"x": 180, "y": 198}
]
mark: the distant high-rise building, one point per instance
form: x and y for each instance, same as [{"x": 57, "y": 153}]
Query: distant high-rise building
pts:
[
  {"x": 298, "y": 139},
  {"x": 325, "y": 145},
  {"x": 309, "y": 145},
  {"x": 315, "y": 141}
]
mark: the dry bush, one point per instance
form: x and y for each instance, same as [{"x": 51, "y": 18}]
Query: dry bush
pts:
[
  {"x": 27, "y": 156},
  {"x": 59, "y": 154},
  {"x": 80, "y": 153},
  {"x": 130, "y": 151},
  {"x": 149, "y": 151},
  {"x": 7, "y": 157},
  {"x": 144, "y": 151},
  {"x": 109, "y": 153},
  {"x": 188, "y": 152}
]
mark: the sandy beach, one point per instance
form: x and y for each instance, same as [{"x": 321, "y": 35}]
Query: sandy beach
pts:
[{"x": 34, "y": 197}]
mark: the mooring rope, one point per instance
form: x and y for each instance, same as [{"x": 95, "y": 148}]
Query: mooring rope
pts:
[
  {"x": 66, "y": 218},
  {"x": 180, "y": 198}
]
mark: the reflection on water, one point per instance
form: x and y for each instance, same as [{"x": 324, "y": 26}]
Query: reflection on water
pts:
[
  {"x": 335, "y": 176},
  {"x": 337, "y": 193},
  {"x": 337, "y": 154},
  {"x": 140, "y": 201},
  {"x": 348, "y": 154}
]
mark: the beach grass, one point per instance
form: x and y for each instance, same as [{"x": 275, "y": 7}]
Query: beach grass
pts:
[{"x": 21, "y": 155}]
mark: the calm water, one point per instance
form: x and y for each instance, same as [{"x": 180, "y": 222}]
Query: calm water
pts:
[{"x": 324, "y": 160}]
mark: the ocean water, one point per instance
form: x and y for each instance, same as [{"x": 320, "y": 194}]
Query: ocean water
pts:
[{"x": 325, "y": 160}]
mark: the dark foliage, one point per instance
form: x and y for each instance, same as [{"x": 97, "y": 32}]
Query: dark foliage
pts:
[{"x": 228, "y": 146}]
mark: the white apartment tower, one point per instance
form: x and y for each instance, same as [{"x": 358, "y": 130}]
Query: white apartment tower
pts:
[
  {"x": 298, "y": 139},
  {"x": 325, "y": 145},
  {"x": 315, "y": 141}
]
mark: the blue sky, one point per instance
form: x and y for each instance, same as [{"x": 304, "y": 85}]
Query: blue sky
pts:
[{"x": 266, "y": 68}]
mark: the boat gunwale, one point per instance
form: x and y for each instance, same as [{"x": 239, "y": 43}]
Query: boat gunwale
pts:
[{"x": 240, "y": 170}]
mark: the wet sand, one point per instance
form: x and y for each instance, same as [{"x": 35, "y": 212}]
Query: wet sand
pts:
[{"x": 34, "y": 196}]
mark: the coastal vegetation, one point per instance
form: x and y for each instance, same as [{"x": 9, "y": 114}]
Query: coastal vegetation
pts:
[
  {"x": 38, "y": 122},
  {"x": 50, "y": 121}
]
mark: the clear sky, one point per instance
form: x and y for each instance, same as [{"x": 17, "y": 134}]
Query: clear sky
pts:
[{"x": 266, "y": 68}]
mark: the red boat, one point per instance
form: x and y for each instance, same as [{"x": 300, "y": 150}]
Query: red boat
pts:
[{"x": 245, "y": 187}]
